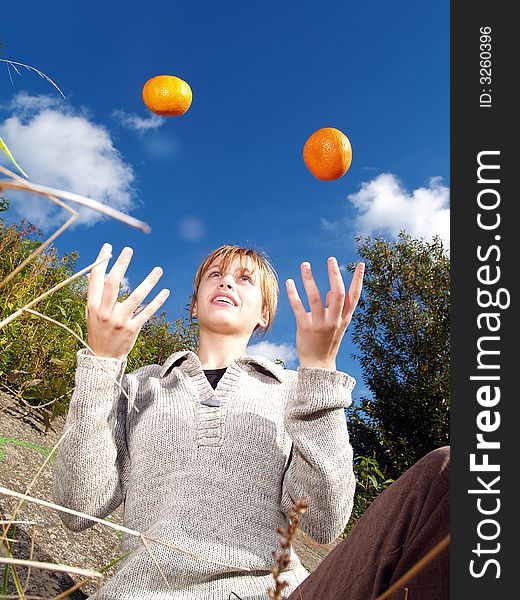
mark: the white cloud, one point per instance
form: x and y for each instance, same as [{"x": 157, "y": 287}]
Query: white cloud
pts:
[
  {"x": 158, "y": 146},
  {"x": 383, "y": 205},
  {"x": 270, "y": 350},
  {"x": 63, "y": 148},
  {"x": 24, "y": 103},
  {"x": 136, "y": 123},
  {"x": 191, "y": 229}
]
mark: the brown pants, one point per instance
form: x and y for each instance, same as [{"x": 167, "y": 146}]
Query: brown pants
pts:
[{"x": 401, "y": 526}]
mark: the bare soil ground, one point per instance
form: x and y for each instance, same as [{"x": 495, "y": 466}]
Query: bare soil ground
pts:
[{"x": 24, "y": 446}]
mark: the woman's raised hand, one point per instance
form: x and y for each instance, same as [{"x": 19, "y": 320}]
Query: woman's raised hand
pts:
[
  {"x": 112, "y": 326},
  {"x": 320, "y": 331}
]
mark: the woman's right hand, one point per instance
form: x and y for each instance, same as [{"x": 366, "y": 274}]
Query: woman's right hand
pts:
[{"x": 112, "y": 326}]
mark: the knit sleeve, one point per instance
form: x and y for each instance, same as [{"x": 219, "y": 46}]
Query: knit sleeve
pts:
[
  {"x": 321, "y": 465},
  {"x": 91, "y": 470}
]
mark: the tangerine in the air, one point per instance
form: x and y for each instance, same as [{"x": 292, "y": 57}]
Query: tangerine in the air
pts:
[
  {"x": 167, "y": 95},
  {"x": 327, "y": 153}
]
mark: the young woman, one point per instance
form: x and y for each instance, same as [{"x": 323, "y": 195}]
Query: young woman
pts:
[{"x": 210, "y": 450}]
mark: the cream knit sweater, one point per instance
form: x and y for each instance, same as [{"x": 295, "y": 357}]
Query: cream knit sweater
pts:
[{"x": 211, "y": 472}]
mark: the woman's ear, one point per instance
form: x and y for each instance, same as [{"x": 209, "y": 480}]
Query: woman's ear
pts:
[
  {"x": 265, "y": 318},
  {"x": 194, "y": 309}
]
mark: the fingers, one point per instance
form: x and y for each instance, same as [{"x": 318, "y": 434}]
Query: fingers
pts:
[
  {"x": 294, "y": 299},
  {"x": 354, "y": 292},
  {"x": 152, "y": 307},
  {"x": 335, "y": 296},
  {"x": 96, "y": 279},
  {"x": 313, "y": 293},
  {"x": 337, "y": 289},
  {"x": 113, "y": 281},
  {"x": 141, "y": 291},
  {"x": 338, "y": 304}
]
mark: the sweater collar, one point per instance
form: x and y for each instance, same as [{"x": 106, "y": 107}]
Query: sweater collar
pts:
[{"x": 183, "y": 358}]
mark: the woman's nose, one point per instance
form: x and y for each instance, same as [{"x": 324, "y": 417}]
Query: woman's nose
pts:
[{"x": 227, "y": 280}]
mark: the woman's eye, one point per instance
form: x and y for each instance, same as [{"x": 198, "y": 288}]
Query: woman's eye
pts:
[{"x": 214, "y": 273}]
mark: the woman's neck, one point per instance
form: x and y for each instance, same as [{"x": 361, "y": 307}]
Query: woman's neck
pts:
[{"x": 217, "y": 351}]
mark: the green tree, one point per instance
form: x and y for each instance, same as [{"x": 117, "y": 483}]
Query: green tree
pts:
[{"x": 402, "y": 328}]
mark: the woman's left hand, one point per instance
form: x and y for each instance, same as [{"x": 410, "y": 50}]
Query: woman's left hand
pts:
[{"x": 320, "y": 331}]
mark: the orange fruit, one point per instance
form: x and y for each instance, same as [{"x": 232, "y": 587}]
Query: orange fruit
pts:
[
  {"x": 167, "y": 95},
  {"x": 327, "y": 153}
]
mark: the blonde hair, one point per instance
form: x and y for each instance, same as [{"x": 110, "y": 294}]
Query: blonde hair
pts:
[{"x": 260, "y": 263}]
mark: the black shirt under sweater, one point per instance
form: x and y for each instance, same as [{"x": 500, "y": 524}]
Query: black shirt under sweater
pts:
[{"x": 214, "y": 375}]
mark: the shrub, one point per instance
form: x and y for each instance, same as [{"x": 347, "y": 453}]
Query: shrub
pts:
[{"x": 370, "y": 482}]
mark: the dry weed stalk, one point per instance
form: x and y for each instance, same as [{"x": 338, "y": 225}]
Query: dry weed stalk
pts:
[
  {"x": 13, "y": 64},
  {"x": 31, "y": 553},
  {"x": 17, "y": 183},
  {"x": 17, "y": 597},
  {"x": 34, "y": 564},
  {"x": 283, "y": 557},
  {"x": 9, "y": 540},
  {"x": 21, "y": 184},
  {"x": 115, "y": 526}
]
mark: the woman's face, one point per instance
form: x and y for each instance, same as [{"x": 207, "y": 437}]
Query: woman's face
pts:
[{"x": 239, "y": 308}]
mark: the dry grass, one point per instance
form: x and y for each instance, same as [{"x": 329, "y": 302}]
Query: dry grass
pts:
[{"x": 14, "y": 182}]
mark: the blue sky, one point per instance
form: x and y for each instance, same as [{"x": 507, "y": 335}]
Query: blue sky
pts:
[{"x": 230, "y": 170}]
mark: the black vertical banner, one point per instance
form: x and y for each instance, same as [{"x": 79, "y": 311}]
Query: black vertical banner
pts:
[{"x": 485, "y": 431}]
